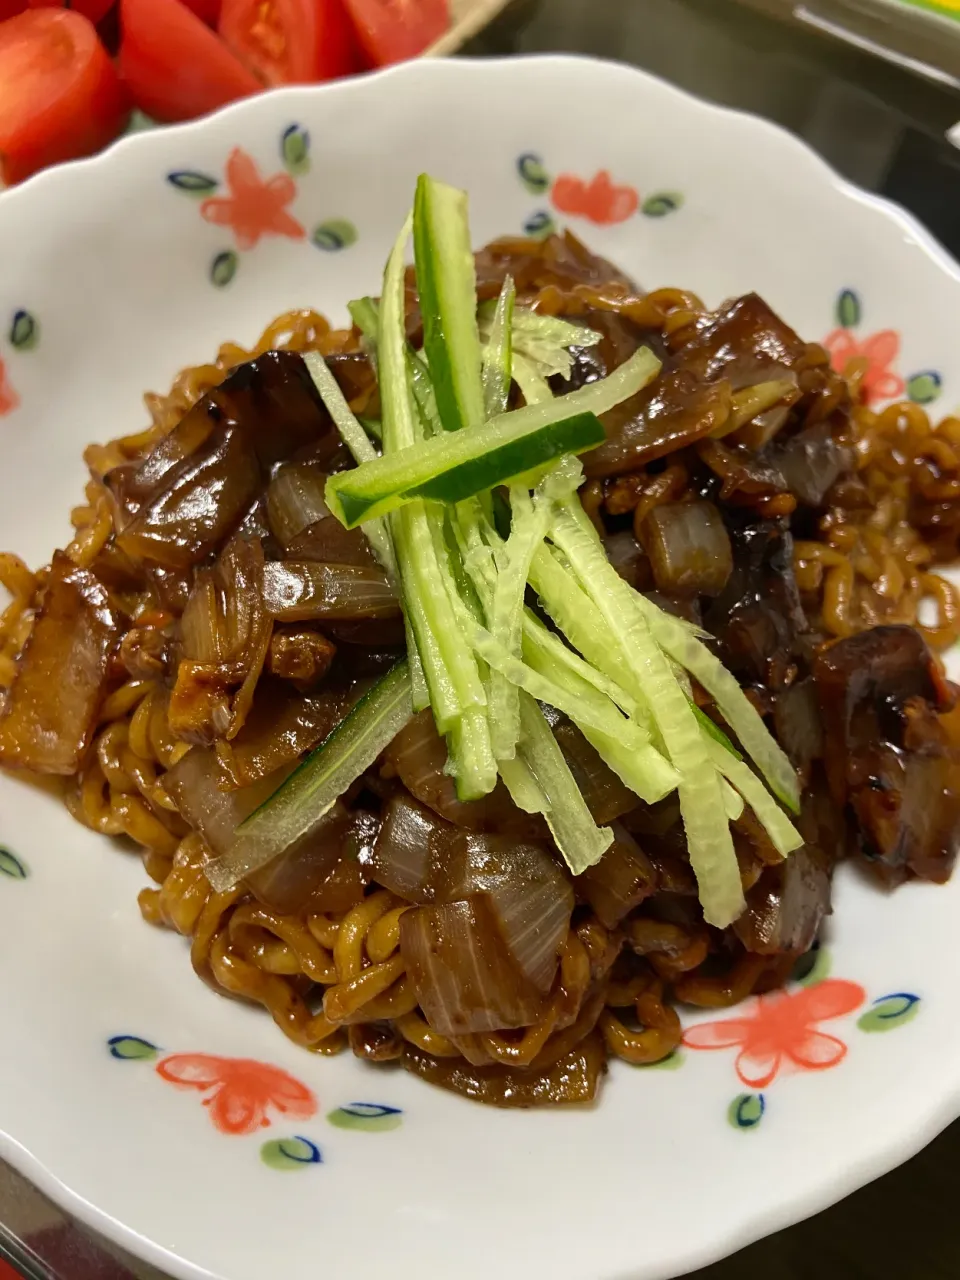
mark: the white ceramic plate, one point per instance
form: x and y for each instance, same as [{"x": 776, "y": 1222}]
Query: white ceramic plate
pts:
[{"x": 114, "y": 274}]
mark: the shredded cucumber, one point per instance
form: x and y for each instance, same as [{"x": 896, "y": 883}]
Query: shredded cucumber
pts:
[
  {"x": 458, "y": 464},
  {"x": 498, "y": 354},
  {"x": 581, "y": 842},
  {"x": 709, "y": 842},
  {"x": 447, "y": 283},
  {"x": 296, "y": 807},
  {"x": 783, "y": 834}
]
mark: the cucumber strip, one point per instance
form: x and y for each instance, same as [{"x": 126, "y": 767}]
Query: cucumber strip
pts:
[
  {"x": 301, "y": 801},
  {"x": 452, "y": 467},
  {"x": 732, "y": 800},
  {"x": 709, "y": 841},
  {"x": 527, "y": 531},
  {"x": 447, "y": 283},
  {"x": 580, "y": 841},
  {"x": 733, "y": 704},
  {"x": 629, "y": 752},
  {"x": 459, "y": 464},
  {"x": 549, "y": 648},
  {"x": 365, "y": 314},
  {"x": 358, "y": 442},
  {"x": 783, "y": 834},
  {"x": 498, "y": 355},
  {"x": 713, "y": 730},
  {"x": 523, "y": 787},
  {"x": 533, "y": 385}
]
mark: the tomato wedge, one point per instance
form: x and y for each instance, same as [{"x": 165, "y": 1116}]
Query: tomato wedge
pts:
[
  {"x": 393, "y": 30},
  {"x": 207, "y": 10},
  {"x": 95, "y": 10},
  {"x": 290, "y": 41},
  {"x": 61, "y": 96},
  {"x": 175, "y": 67}
]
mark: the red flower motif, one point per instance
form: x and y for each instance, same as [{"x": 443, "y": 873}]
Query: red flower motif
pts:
[
  {"x": 254, "y": 208},
  {"x": 880, "y": 349},
  {"x": 598, "y": 200},
  {"x": 781, "y": 1025},
  {"x": 9, "y": 400},
  {"x": 243, "y": 1091}
]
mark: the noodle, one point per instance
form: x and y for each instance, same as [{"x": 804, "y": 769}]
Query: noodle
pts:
[{"x": 332, "y": 979}]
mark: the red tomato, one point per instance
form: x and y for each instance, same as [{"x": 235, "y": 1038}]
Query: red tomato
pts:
[
  {"x": 61, "y": 96},
  {"x": 290, "y": 41},
  {"x": 10, "y": 8},
  {"x": 95, "y": 10},
  {"x": 175, "y": 67},
  {"x": 392, "y": 30},
  {"x": 207, "y": 10}
]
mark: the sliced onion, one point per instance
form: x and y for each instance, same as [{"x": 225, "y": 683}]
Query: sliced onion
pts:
[
  {"x": 413, "y": 845},
  {"x": 418, "y": 755},
  {"x": 295, "y": 500},
  {"x": 628, "y": 558},
  {"x": 796, "y": 718},
  {"x": 606, "y": 796},
  {"x": 689, "y": 547},
  {"x": 531, "y": 897},
  {"x": 200, "y": 639},
  {"x": 573, "y": 1078},
  {"x": 51, "y": 709},
  {"x": 281, "y": 727},
  {"x": 461, "y": 970},
  {"x": 304, "y": 590},
  {"x": 289, "y": 882},
  {"x": 216, "y": 814},
  {"x": 620, "y": 881}
]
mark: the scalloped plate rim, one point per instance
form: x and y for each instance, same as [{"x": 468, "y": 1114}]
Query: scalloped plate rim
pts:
[{"x": 887, "y": 1150}]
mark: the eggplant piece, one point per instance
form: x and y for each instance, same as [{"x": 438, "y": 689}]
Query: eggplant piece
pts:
[
  {"x": 887, "y": 753},
  {"x": 51, "y": 709},
  {"x": 745, "y": 342},
  {"x": 758, "y": 619}
]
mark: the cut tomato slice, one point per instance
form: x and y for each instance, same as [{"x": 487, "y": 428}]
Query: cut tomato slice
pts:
[
  {"x": 207, "y": 10},
  {"x": 177, "y": 68},
  {"x": 290, "y": 41},
  {"x": 95, "y": 10},
  {"x": 61, "y": 96},
  {"x": 393, "y": 30}
]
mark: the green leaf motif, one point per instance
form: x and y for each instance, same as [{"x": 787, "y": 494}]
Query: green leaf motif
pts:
[
  {"x": 224, "y": 268},
  {"x": 890, "y": 1012},
  {"x": 812, "y": 967},
  {"x": 924, "y": 388},
  {"x": 532, "y": 173},
  {"x": 373, "y": 1117},
  {"x": 672, "y": 1062},
  {"x": 24, "y": 331},
  {"x": 287, "y": 1154},
  {"x": 334, "y": 235},
  {"x": 192, "y": 183},
  {"x": 746, "y": 1110},
  {"x": 295, "y": 150},
  {"x": 849, "y": 313},
  {"x": 132, "y": 1049},
  {"x": 540, "y": 225},
  {"x": 662, "y": 203},
  {"x": 10, "y": 865}
]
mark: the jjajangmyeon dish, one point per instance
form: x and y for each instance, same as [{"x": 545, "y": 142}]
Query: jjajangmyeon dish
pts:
[{"x": 485, "y": 680}]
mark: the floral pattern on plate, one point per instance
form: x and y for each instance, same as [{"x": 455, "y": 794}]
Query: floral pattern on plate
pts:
[
  {"x": 244, "y": 1096},
  {"x": 599, "y": 199},
  {"x": 254, "y": 207},
  {"x": 880, "y": 352},
  {"x": 779, "y": 1032}
]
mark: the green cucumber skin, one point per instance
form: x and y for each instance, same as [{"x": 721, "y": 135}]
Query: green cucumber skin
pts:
[{"x": 474, "y": 475}]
